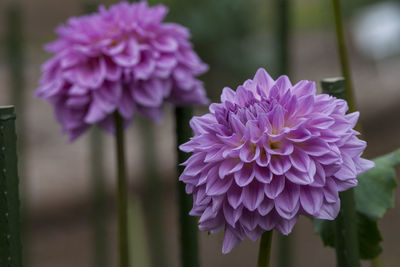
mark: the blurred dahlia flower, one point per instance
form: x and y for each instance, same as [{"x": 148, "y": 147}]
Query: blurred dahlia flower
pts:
[
  {"x": 121, "y": 59},
  {"x": 268, "y": 153}
]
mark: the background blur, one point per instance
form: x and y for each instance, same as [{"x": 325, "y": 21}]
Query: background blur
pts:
[{"x": 235, "y": 37}]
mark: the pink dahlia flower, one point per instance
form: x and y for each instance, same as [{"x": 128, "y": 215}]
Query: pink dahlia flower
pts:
[
  {"x": 121, "y": 59},
  {"x": 268, "y": 153}
]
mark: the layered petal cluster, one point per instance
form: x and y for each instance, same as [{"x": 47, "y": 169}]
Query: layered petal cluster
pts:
[
  {"x": 269, "y": 152},
  {"x": 122, "y": 59}
]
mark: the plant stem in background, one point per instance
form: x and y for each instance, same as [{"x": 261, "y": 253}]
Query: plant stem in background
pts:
[
  {"x": 344, "y": 61},
  {"x": 187, "y": 224},
  {"x": 10, "y": 233},
  {"x": 100, "y": 214},
  {"x": 152, "y": 195},
  {"x": 264, "y": 253},
  {"x": 122, "y": 193},
  {"x": 346, "y": 239},
  {"x": 99, "y": 208},
  {"x": 15, "y": 65},
  {"x": 283, "y": 36},
  {"x": 285, "y": 246},
  {"x": 377, "y": 262}
]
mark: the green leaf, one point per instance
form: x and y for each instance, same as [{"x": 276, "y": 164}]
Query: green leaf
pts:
[
  {"x": 374, "y": 192},
  {"x": 374, "y": 195},
  {"x": 326, "y": 229},
  {"x": 369, "y": 237}
]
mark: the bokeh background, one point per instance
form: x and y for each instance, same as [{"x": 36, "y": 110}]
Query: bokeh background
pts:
[{"x": 235, "y": 37}]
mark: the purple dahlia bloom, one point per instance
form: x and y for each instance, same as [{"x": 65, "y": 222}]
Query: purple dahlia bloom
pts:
[
  {"x": 268, "y": 153},
  {"x": 121, "y": 59}
]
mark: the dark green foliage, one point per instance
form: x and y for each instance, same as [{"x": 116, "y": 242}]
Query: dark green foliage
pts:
[
  {"x": 375, "y": 190},
  {"x": 10, "y": 236},
  {"x": 374, "y": 195},
  {"x": 188, "y": 224}
]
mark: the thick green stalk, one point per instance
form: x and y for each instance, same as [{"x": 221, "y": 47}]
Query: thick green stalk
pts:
[
  {"x": 188, "y": 224},
  {"x": 122, "y": 193},
  {"x": 377, "y": 262},
  {"x": 99, "y": 207},
  {"x": 285, "y": 246},
  {"x": 346, "y": 239},
  {"x": 14, "y": 44},
  {"x": 152, "y": 195},
  {"x": 100, "y": 214},
  {"x": 264, "y": 253},
  {"x": 344, "y": 61},
  {"x": 283, "y": 36},
  {"x": 10, "y": 233}
]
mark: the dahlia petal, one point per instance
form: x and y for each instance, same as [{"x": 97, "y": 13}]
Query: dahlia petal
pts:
[
  {"x": 249, "y": 220},
  {"x": 229, "y": 166},
  {"x": 298, "y": 177},
  {"x": 77, "y": 90},
  {"x": 311, "y": 199},
  {"x": 298, "y": 135},
  {"x": 286, "y": 226},
  {"x": 94, "y": 114},
  {"x": 249, "y": 152},
  {"x": 352, "y": 118},
  {"x": 364, "y": 165},
  {"x": 304, "y": 88},
  {"x": 287, "y": 202},
  {"x": 253, "y": 195},
  {"x": 235, "y": 196},
  {"x": 315, "y": 147},
  {"x": 329, "y": 211},
  {"x": 330, "y": 191},
  {"x": 194, "y": 164},
  {"x": 218, "y": 186},
  {"x": 348, "y": 170},
  {"x": 165, "y": 43},
  {"x": 321, "y": 121},
  {"x": 262, "y": 174},
  {"x": 279, "y": 165},
  {"x": 150, "y": 94},
  {"x": 305, "y": 105},
  {"x": 91, "y": 74},
  {"x": 265, "y": 206},
  {"x": 275, "y": 187},
  {"x": 131, "y": 55},
  {"x": 264, "y": 159},
  {"x": 277, "y": 119},
  {"x": 227, "y": 94},
  {"x": 264, "y": 81},
  {"x": 300, "y": 160},
  {"x": 244, "y": 176},
  {"x": 320, "y": 176},
  {"x": 230, "y": 241}
]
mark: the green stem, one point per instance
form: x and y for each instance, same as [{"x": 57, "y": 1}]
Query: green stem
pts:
[
  {"x": 10, "y": 232},
  {"x": 122, "y": 194},
  {"x": 285, "y": 253},
  {"x": 152, "y": 195},
  {"x": 264, "y": 253},
  {"x": 283, "y": 36},
  {"x": 344, "y": 61},
  {"x": 346, "y": 239},
  {"x": 188, "y": 224},
  {"x": 377, "y": 262},
  {"x": 15, "y": 64},
  {"x": 100, "y": 215},
  {"x": 285, "y": 250},
  {"x": 99, "y": 200}
]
